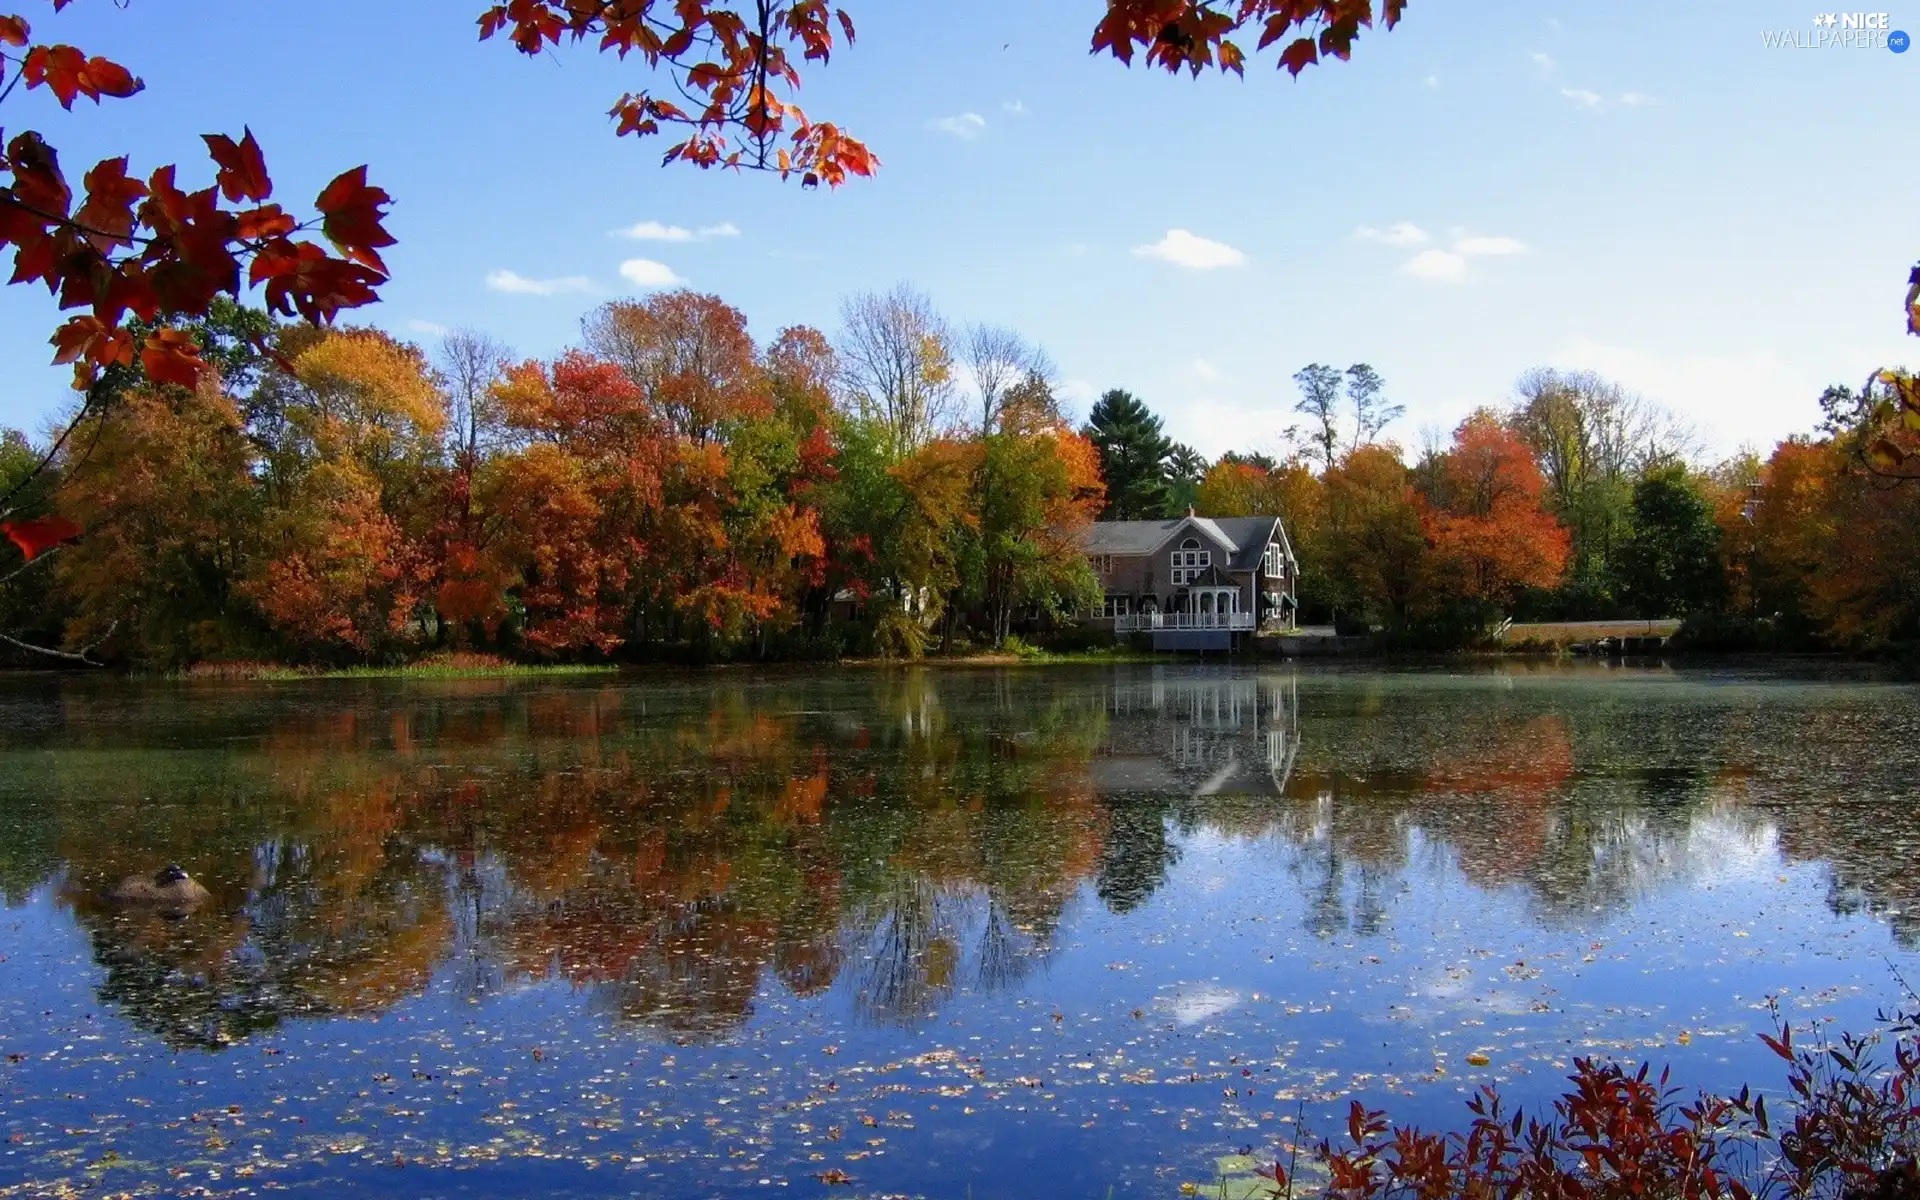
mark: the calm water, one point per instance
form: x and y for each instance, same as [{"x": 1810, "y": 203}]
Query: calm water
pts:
[{"x": 1024, "y": 933}]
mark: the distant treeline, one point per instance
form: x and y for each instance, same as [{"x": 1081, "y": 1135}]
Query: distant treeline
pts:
[{"x": 674, "y": 489}]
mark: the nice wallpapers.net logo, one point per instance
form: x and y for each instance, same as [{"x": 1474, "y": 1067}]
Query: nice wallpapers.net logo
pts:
[{"x": 1841, "y": 31}]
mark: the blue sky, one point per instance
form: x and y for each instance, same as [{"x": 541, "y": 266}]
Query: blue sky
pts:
[{"x": 1722, "y": 226}]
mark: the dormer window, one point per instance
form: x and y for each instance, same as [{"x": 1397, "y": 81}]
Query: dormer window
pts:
[{"x": 1188, "y": 561}]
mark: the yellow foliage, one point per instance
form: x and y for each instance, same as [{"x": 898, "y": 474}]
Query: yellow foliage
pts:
[{"x": 364, "y": 376}]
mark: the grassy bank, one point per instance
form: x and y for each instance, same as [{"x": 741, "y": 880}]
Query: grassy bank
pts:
[
  {"x": 480, "y": 666},
  {"x": 460, "y": 666}
]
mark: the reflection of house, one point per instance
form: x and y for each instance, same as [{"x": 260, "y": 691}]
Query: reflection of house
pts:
[
  {"x": 1201, "y": 736},
  {"x": 1195, "y": 583}
]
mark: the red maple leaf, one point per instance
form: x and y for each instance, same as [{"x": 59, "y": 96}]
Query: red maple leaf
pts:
[{"x": 37, "y": 535}]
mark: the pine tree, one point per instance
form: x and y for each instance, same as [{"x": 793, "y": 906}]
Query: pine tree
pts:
[
  {"x": 1186, "y": 467},
  {"x": 1133, "y": 457}
]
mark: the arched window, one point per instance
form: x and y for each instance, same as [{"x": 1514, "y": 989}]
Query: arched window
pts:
[{"x": 1188, "y": 561}]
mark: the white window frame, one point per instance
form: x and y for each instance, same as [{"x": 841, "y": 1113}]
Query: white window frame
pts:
[
  {"x": 1102, "y": 564},
  {"x": 1116, "y": 606},
  {"x": 1188, "y": 560},
  {"x": 1276, "y": 567}
]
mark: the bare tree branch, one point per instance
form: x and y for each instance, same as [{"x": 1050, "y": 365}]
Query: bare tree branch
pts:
[
  {"x": 896, "y": 364},
  {"x": 78, "y": 656}
]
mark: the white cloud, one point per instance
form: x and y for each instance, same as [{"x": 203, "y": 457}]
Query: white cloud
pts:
[
  {"x": 961, "y": 125},
  {"x": 1543, "y": 60},
  {"x": 646, "y": 273},
  {"x": 1437, "y": 266},
  {"x": 1433, "y": 81},
  {"x": 655, "y": 231},
  {"x": 428, "y": 328},
  {"x": 1772, "y": 393},
  {"x": 1466, "y": 244},
  {"x": 1015, "y": 107},
  {"x": 519, "y": 285},
  {"x": 1581, "y": 97},
  {"x": 1450, "y": 266},
  {"x": 1400, "y": 233},
  {"x": 1184, "y": 249},
  {"x": 1635, "y": 99}
]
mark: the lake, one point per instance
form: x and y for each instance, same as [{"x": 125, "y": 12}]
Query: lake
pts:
[{"x": 960, "y": 932}]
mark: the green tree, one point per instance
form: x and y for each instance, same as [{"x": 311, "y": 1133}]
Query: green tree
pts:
[
  {"x": 1670, "y": 565},
  {"x": 1186, "y": 467},
  {"x": 1133, "y": 457}
]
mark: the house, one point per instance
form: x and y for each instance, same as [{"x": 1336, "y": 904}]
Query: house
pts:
[
  {"x": 1198, "y": 736},
  {"x": 1194, "y": 583}
]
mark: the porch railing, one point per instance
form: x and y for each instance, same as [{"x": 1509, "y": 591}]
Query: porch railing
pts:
[{"x": 1146, "y": 622}]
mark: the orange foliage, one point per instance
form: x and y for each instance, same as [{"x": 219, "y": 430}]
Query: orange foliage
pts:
[
  {"x": 1487, "y": 522},
  {"x": 689, "y": 355},
  {"x": 1525, "y": 768}
]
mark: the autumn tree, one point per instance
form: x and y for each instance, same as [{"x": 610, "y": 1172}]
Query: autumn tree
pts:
[
  {"x": 1485, "y": 519},
  {"x": 351, "y": 504},
  {"x": 999, "y": 360},
  {"x": 167, "y": 488},
  {"x": 1376, "y": 558},
  {"x": 1835, "y": 521},
  {"x": 1794, "y": 521},
  {"x": 564, "y": 510},
  {"x": 1133, "y": 456},
  {"x": 1037, "y": 491},
  {"x": 1592, "y": 439},
  {"x": 917, "y": 541},
  {"x": 896, "y": 366},
  {"x": 689, "y": 354}
]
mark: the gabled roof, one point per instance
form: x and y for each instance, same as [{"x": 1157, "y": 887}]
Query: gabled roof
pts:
[
  {"x": 1244, "y": 538},
  {"x": 1213, "y": 576}
]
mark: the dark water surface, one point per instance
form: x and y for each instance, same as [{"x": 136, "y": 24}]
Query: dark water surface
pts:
[{"x": 1001, "y": 933}]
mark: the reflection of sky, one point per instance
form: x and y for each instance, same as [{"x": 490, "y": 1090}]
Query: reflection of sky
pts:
[
  {"x": 1201, "y": 1019},
  {"x": 1361, "y": 923}
]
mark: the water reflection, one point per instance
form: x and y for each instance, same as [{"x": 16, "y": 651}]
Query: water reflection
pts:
[{"x": 682, "y": 852}]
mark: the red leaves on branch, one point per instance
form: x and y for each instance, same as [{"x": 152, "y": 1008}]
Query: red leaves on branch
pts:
[
  {"x": 150, "y": 249},
  {"x": 243, "y": 170},
  {"x": 38, "y": 535},
  {"x": 352, "y": 218},
  {"x": 1195, "y": 35},
  {"x": 170, "y": 356},
  {"x": 147, "y": 248},
  {"x": 69, "y": 74},
  {"x": 730, "y": 65}
]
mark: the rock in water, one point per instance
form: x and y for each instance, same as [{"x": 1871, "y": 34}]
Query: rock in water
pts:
[{"x": 169, "y": 887}]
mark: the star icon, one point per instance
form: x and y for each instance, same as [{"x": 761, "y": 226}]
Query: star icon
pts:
[{"x": 1826, "y": 19}]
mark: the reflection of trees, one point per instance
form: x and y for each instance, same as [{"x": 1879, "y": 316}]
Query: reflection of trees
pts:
[
  {"x": 897, "y": 838},
  {"x": 668, "y": 858}
]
